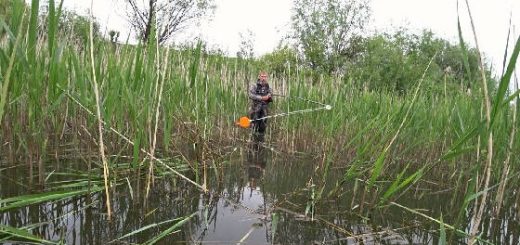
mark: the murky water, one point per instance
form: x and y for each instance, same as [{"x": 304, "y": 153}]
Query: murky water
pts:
[{"x": 262, "y": 197}]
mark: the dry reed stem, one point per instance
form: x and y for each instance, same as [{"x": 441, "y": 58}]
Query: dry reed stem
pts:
[
  {"x": 378, "y": 233},
  {"x": 153, "y": 135},
  {"x": 328, "y": 223},
  {"x": 98, "y": 113},
  {"x": 430, "y": 218},
  {"x": 477, "y": 217}
]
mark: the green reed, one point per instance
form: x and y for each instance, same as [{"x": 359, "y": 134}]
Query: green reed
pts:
[{"x": 164, "y": 99}]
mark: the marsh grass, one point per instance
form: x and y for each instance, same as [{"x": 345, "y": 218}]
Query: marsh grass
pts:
[{"x": 152, "y": 103}]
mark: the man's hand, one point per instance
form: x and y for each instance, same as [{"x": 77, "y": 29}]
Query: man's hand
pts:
[{"x": 266, "y": 98}]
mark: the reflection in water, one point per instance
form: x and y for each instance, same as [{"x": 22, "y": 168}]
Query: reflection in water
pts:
[
  {"x": 255, "y": 186},
  {"x": 256, "y": 160},
  {"x": 241, "y": 211}
]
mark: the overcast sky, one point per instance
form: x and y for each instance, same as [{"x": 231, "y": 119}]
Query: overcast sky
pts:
[{"x": 269, "y": 21}]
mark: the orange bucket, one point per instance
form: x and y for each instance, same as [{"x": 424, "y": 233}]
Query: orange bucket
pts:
[{"x": 244, "y": 122}]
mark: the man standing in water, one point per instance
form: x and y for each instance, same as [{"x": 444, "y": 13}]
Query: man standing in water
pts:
[{"x": 260, "y": 96}]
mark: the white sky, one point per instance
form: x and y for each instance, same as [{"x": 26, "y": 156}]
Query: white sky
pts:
[{"x": 269, "y": 21}]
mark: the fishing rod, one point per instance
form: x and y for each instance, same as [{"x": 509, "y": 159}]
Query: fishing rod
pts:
[
  {"x": 300, "y": 98},
  {"x": 245, "y": 122}
]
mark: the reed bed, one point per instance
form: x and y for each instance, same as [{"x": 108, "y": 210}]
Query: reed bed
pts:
[{"x": 167, "y": 100}]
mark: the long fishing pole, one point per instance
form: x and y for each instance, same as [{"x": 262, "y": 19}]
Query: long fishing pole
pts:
[
  {"x": 300, "y": 98},
  {"x": 245, "y": 122},
  {"x": 326, "y": 107}
]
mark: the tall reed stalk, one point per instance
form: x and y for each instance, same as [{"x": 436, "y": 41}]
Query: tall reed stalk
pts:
[
  {"x": 160, "y": 80},
  {"x": 491, "y": 116},
  {"x": 106, "y": 171}
]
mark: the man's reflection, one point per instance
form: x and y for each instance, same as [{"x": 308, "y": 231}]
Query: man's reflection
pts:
[{"x": 256, "y": 160}]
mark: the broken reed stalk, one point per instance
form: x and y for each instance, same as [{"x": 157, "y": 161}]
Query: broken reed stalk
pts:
[
  {"x": 141, "y": 149},
  {"x": 106, "y": 171},
  {"x": 453, "y": 228}
]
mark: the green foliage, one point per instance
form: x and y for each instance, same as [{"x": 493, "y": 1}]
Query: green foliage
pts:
[
  {"x": 328, "y": 40},
  {"x": 77, "y": 27},
  {"x": 33, "y": 25},
  {"x": 22, "y": 234},
  {"x": 326, "y": 32},
  {"x": 204, "y": 89},
  {"x": 393, "y": 62},
  {"x": 7, "y": 77},
  {"x": 282, "y": 61},
  {"x": 11, "y": 12},
  {"x": 170, "y": 230},
  {"x": 53, "y": 16},
  {"x": 147, "y": 227},
  {"x": 52, "y": 21},
  {"x": 275, "y": 218},
  {"x": 22, "y": 201},
  {"x": 400, "y": 183},
  {"x": 6, "y": 9}
]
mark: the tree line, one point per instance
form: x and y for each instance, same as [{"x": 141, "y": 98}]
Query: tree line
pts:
[{"x": 327, "y": 38}]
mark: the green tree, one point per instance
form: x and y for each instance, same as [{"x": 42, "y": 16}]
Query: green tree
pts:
[
  {"x": 383, "y": 66},
  {"x": 283, "y": 60},
  {"x": 246, "y": 48},
  {"x": 327, "y": 31},
  {"x": 395, "y": 62},
  {"x": 77, "y": 27},
  {"x": 170, "y": 15}
]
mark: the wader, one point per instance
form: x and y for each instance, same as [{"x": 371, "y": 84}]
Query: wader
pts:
[{"x": 259, "y": 109}]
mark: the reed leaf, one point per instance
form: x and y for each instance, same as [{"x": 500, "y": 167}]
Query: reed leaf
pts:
[
  {"x": 504, "y": 83},
  {"x": 33, "y": 31},
  {"x": 457, "y": 149},
  {"x": 195, "y": 64},
  {"x": 144, "y": 228},
  {"x": 169, "y": 230},
  {"x": 52, "y": 22},
  {"x": 398, "y": 184},
  {"x": 4, "y": 86},
  {"x": 378, "y": 167},
  {"x": 25, "y": 200},
  {"x": 23, "y": 235}
]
